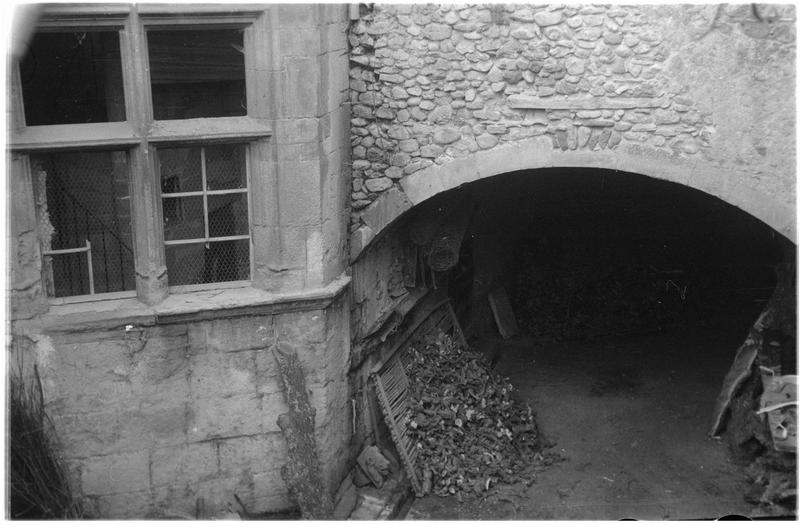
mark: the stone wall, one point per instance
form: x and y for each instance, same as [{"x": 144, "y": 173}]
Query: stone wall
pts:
[
  {"x": 711, "y": 85},
  {"x": 305, "y": 217},
  {"x": 156, "y": 411},
  {"x": 157, "y": 405}
]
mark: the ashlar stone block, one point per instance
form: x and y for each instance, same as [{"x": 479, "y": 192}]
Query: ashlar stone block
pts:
[{"x": 116, "y": 473}]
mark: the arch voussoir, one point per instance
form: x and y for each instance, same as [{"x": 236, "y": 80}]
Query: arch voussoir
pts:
[{"x": 728, "y": 185}]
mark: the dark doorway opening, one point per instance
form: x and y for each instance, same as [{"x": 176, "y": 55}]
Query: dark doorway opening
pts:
[{"x": 588, "y": 253}]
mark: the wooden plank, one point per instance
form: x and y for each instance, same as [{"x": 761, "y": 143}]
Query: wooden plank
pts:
[
  {"x": 374, "y": 413},
  {"x": 457, "y": 332},
  {"x": 394, "y": 413},
  {"x": 737, "y": 374},
  {"x": 404, "y": 340},
  {"x": 391, "y": 383},
  {"x": 777, "y": 307},
  {"x": 410, "y": 259},
  {"x": 779, "y": 403},
  {"x": 503, "y": 313}
]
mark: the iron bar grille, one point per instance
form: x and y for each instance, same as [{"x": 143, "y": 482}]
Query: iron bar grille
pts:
[
  {"x": 83, "y": 210},
  {"x": 204, "y": 198}
]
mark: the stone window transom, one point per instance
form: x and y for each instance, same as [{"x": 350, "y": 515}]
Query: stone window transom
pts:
[{"x": 139, "y": 130}]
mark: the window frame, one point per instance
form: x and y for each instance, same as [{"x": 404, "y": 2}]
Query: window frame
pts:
[
  {"x": 80, "y": 298},
  {"x": 141, "y": 135},
  {"x": 204, "y": 192}
]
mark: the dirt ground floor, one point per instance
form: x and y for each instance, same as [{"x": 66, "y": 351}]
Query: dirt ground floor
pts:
[{"x": 630, "y": 418}]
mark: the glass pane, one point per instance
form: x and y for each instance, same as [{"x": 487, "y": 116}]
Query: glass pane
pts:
[
  {"x": 180, "y": 170},
  {"x": 227, "y": 214},
  {"x": 73, "y": 77},
  {"x": 79, "y": 197},
  {"x": 225, "y": 167},
  {"x": 208, "y": 263},
  {"x": 197, "y": 74},
  {"x": 183, "y": 218}
]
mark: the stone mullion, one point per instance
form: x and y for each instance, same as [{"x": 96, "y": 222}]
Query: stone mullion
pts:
[
  {"x": 260, "y": 55},
  {"x": 148, "y": 233}
]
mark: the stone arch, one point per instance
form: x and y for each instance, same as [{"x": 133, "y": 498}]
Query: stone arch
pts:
[{"x": 729, "y": 185}]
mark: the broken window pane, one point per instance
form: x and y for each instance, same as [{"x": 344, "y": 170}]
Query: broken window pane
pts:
[
  {"x": 197, "y": 74},
  {"x": 83, "y": 208},
  {"x": 73, "y": 77}
]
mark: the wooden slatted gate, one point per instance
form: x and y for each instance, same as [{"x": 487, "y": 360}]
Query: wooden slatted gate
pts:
[{"x": 391, "y": 384}]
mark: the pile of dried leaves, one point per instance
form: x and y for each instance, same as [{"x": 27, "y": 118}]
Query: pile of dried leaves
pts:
[{"x": 471, "y": 433}]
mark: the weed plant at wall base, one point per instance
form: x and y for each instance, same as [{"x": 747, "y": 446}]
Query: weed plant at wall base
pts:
[{"x": 38, "y": 486}]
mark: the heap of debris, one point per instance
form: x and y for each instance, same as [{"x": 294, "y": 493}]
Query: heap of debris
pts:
[
  {"x": 470, "y": 431},
  {"x": 757, "y": 406}
]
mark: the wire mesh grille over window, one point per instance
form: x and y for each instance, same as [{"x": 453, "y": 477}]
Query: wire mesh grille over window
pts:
[
  {"x": 205, "y": 207},
  {"x": 83, "y": 208}
]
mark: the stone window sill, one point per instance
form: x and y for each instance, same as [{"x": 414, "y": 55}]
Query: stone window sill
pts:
[{"x": 186, "y": 307}]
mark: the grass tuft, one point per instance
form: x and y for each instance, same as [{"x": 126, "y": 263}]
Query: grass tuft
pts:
[{"x": 38, "y": 483}]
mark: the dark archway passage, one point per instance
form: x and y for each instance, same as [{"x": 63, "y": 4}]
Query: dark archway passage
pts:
[
  {"x": 631, "y": 296},
  {"x": 588, "y": 253}
]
